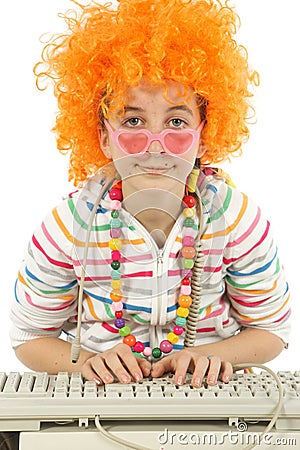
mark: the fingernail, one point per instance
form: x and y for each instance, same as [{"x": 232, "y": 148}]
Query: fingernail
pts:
[
  {"x": 197, "y": 382},
  {"x": 226, "y": 378},
  {"x": 211, "y": 379},
  {"x": 107, "y": 379},
  {"x": 180, "y": 380},
  {"x": 137, "y": 376},
  {"x": 97, "y": 381},
  {"x": 125, "y": 379}
]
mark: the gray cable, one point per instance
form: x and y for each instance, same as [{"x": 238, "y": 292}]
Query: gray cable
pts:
[
  {"x": 76, "y": 346},
  {"x": 279, "y": 403},
  {"x": 108, "y": 435}
]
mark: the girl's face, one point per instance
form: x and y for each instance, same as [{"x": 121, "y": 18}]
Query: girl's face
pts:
[{"x": 147, "y": 108}]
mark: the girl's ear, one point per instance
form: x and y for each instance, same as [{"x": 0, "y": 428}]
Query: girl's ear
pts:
[
  {"x": 104, "y": 142},
  {"x": 201, "y": 150},
  {"x": 202, "y": 147}
]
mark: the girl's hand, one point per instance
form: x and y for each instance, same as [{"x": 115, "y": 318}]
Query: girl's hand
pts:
[
  {"x": 200, "y": 365},
  {"x": 118, "y": 362}
]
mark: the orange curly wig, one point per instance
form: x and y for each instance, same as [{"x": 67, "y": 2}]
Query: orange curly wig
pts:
[{"x": 106, "y": 50}]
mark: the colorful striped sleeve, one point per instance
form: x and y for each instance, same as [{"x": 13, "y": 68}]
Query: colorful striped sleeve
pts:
[
  {"x": 255, "y": 280},
  {"x": 46, "y": 287}
]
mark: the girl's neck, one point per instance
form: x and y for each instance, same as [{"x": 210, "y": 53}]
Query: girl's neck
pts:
[
  {"x": 156, "y": 209},
  {"x": 158, "y": 223}
]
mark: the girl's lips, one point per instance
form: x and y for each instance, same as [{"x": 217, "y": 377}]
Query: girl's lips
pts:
[{"x": 155, "y": 170}]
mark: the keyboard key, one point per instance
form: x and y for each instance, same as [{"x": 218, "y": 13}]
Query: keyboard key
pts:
[
  {"x": 260, "y": 393},
  {"x": 208, "y": 394},
  {"x": 112, "y": 394},
  {"x": 178, "y": 394},
  {"x": 26, "y": 383},
  {"x": 63, "y": 376},
  {"x": 223, "y": 394},
  {"x": 156, "y": 394},
  {"x": 90, "y": 390},
  {"x": 3, "y": 378},
  {"x": 75, "y": 393},
  {"x": 12, "y": 382},
  {"x": 41, "y": 382},
  {"x": 244, "y": 392}
]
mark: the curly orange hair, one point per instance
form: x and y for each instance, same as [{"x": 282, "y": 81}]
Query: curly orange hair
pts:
[{"x": 106, "y": 50}]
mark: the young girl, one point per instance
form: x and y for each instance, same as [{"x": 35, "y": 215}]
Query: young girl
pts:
[{"x": 176, "y": 269}]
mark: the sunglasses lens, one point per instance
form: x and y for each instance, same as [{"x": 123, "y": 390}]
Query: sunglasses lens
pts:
[
  {"x": 178, "y": 143},
  {"x": 133, "y": 143}
]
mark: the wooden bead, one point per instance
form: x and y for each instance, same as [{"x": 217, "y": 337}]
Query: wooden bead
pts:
[
  {"x": 125, "y": 331},
  {"x": 139, "y": 347},
  {"x": 188, "y": 241},
  {"x": 115, "y": 265},
  {"x": 116, "y": 295},
  {"x": 185, "y": 301},
  {"x": 188, "y": 263},
  {"x": 188, "y": 212},
  {"x": 165, "y": 346},
  {"x": 189, "y": 201},
  {"x": 115, "y": 244},
  {"x": 115, "y": 255},
  {"x": 156, "y": 352},
  {"x": 182, "y": 312},
  {"x": 116, "y": 284},
  {"x": 115, "y": 194},
  {"x": 188, "y": 252},
  {"x": 129, "y": 340},
  {"x": 172, "y": 337}
]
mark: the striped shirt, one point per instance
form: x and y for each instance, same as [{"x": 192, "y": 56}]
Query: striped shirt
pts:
[{"x": 242, "y": 282}]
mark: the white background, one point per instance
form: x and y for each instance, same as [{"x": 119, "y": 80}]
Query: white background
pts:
[{"x": 34, "y": 175}]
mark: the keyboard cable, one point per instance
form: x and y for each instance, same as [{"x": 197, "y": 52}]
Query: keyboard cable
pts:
[
  {"x": 116, "y": 439},
  {"x": 278, "y": 405}
]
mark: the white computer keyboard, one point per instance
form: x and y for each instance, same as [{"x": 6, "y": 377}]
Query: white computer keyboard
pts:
[{"x": 36, "y": 398}]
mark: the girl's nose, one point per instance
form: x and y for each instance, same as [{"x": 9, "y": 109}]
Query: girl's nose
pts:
[{"x": 155, "y": 147}]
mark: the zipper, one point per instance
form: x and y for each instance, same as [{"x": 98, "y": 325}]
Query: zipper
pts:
[{"x": 159, "y": 285}]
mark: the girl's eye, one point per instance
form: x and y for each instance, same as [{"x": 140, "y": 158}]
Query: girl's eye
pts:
[
  {"x": 133, "y": 122},
  {"x": 177, "y": 123}
]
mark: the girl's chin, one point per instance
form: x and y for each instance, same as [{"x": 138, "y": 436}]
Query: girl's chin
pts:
[{"x": 143, "y": 181}]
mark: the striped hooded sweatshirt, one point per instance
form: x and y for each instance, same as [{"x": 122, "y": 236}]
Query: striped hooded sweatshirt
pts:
[{"x": 242, "y": 281}]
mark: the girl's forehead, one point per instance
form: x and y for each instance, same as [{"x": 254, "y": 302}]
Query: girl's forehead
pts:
[{"x": 171, "y": 92}]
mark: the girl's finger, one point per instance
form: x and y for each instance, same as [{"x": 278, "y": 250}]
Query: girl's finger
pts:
[
  {"x": 226, "y": 371},
  {"x": 161, "y": 367},
  {"x": 124, "y": 365},
  {"x": 213, "y": 370},
  {"x": 145, "y": 366},
  {"x": 201, "y": 366},
  {"x": 89, "y": 374},
  {"x": 181, "y": 364},
  {"x": 101, "y": 370}
]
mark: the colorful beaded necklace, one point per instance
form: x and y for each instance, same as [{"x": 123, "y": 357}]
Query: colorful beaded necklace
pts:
[{"x": 188, "y": 254}]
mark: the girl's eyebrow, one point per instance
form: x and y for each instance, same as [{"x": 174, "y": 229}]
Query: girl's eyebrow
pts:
[
  {"x": 133, "y": 108},
  {"x": 181, "y": 108},
  {"x": 185, "y": 108}
]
